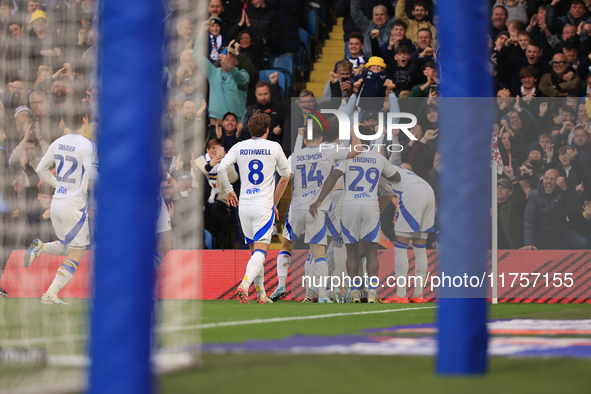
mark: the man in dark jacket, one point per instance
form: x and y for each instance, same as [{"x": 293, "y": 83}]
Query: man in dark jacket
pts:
[
  {"x": 547, "y": 213},
  {"x": 271, "y": 102},
  {"x": 577, "y": 14},
  {"x": 511, "y": 206}
]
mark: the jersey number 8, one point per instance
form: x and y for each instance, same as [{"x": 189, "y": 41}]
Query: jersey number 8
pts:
[{"x": 256, "y": 169}]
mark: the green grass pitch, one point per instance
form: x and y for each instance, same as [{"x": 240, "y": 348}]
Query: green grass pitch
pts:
[{"x": 270, "y": 373}]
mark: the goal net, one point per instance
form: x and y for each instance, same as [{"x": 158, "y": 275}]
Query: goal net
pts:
[{"x": 49, "y": 67}]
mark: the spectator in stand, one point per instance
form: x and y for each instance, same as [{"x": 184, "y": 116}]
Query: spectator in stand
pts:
[
  {"x": 186, "y": 78},
  {"x": 216, "y": 8},
  {"x": 516, "y": 9},
  {"x": 270, "y": 101},
  {"x": 562, "y": 80},
  {"x": 287, "y": 11},
  {"x": 186, "y": 202},
  {"x": 39, "y": 216},
  {"x": 250, "y": 40},
  {"x": 228, "y": 131},
  {"x": 397, "y": 40},
  {"x": 356, "y": 56},
  {"x": 373, "y": 80},
  {"x": 511, "y": 208},
  {"x": 42, "y": 44},
  {"x": 420, "y": 14},
  {"x": 228, "y": 84},
  {"x": 572, "y": 170},
  {"x": 169, "y": 158},
  {"x": 552, "y": 43},
  {"x": 344, "y": 73},
  {"x": 16, "y": 49},
  {"x": 578, "y": 13},
  {"x": 216, "y": 41},
  {"x": 533, "y": 55},
  {"x": 266, "y": 20},
  {"x": 379, "y": 21},
  {"x": 547, "y": 213},
  {"x": 528, "y": 78},
  {"x": 499, "y": 19},
  {"x": 32, "y": 6},
  {"x": 22, "y": 121},
  {"x": 425, "y": 50},
  {"x": 343, "y": 10},
  {"x": 217, "y": 211},
  {"x": 426, "y": 89}
]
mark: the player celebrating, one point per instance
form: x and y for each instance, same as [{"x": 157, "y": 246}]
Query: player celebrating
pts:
[
  {"x": 310, "y": 166},
  {"x": 360, "y": 214},
  {"x": 256, "y": 159},
  {"x": 415, "y": 218},
  {"x": 75, "y": 159}
]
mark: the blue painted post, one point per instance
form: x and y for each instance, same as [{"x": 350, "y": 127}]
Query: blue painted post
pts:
[
  {"x": 130, "y": 76},
  {"x": 464, "y": 215}
]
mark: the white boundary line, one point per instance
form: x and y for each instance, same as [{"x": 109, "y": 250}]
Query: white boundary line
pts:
[
  {"x": 43, "y": 340},
  {"x": 283, "y": 319}
]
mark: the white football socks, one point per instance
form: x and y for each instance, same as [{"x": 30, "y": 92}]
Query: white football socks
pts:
[
  {"x": 65, "y": 272},
  {"x": 400, "y": 267},
  {"x": 283, "y": 262},
  {"x": 254, "y": 267},
  {"x": 259, "y": 284},
  {"x": 421, "y": 266},
  {"x": 321, "y": 275},
  {"x": 55, "y": 248}
]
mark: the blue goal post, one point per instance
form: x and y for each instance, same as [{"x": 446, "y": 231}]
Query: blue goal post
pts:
[
  {"x": 131, "y": 78},
  {"x": 464, "y": 214}
]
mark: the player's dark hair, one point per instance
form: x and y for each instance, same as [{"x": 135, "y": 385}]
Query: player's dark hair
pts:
[
  {"x": 258, "y": 123},
  {"x": 75, "y": 116},
  {"x": 46, "y": 188},
  {"x": 332, "y": 133},
  {"x": 316, "y": 132}
]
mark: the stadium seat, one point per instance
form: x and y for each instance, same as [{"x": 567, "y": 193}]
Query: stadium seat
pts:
[
  {"x": 282, "y": 81},
  {"x": 284, "y": 63},
  {"x": 304, "y": 38},
  {"x": 311, "y": 22}
]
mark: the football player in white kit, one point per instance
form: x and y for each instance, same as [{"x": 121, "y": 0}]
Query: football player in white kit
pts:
[
  {"x": 257, "y": 159},
  {"x": 415, "y": 218},
  {"x": 360, "y": 214},
  {"x": 75, "y": 159},
  {"x": 309, "y": 167}
]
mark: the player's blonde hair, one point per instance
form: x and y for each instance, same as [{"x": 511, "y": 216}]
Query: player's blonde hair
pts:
[{"x": 258, "y": 123}]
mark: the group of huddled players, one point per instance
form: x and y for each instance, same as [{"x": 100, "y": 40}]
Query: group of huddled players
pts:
[{"x": 338, "y": 191}]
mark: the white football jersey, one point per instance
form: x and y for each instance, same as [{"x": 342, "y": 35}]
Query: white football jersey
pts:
[
  {"x": 310, "y": 167},
  {"x": 76, "y": 163},
  {"x": 257, "y": 159},
  {"x": 407, "y": 178},
  {"x": 362, "y": 177}
]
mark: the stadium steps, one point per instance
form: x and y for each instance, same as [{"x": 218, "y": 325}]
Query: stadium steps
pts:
[{"x": 333, "y": 50}]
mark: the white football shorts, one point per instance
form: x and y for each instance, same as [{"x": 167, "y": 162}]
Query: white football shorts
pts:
[
  {"x": 70, "y": 224},
  {"x": 360, "y": 223},
  {"x": 416, "y": 211},
  {"x": 300, "y": 222},
  {"x": 257, "y": 223}
]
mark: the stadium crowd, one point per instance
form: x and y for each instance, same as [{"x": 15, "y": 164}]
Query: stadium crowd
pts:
[{"x": 540, "y": 60}]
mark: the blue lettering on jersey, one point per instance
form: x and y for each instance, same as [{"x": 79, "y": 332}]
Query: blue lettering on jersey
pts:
[
  {"x": 313, "y": 192},
  {"x": 246, "y": 152},
  {"x": 62, "y": 190},
  {"x": 369, "y": 160},
  {"x": 317, "y": 156},
  {"x": 362, "y": 195},
  {"x": 67, "y": 148},
  {"x": 253, "y": 191}
]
